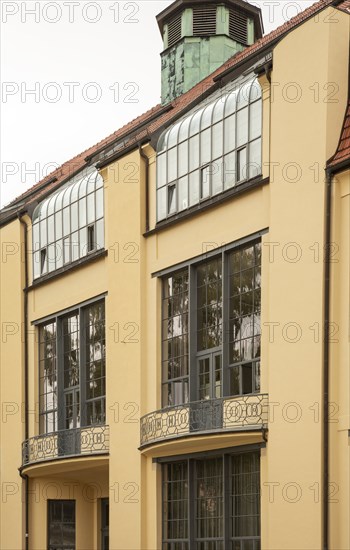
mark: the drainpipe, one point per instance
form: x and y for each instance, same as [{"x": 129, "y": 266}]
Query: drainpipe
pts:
[
  {"x": 26, "y": 386},
  {"x": 146, "y": 159},
  {"x": 330, "y": 172},
  {"x": 327, "y": 269}
]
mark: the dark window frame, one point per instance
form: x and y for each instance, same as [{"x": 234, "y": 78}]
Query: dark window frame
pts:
[
  {"x": 221, "y": 164},
  {"x": 50, "y": 502},
  {"x": 61, "y": 391},
  {"x": 191, "y": 461},
  {"x": 194, "y": 353}
]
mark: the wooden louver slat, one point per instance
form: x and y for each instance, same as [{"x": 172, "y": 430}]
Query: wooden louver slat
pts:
[
  {"x": 204, "y": 20},
  {"x": 239, "y": 26},
  {"x": 174, "y": 30}
]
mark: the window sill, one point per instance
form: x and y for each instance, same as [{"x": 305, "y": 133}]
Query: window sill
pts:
[
  {"x": 91, "y": 257},
  {"x": 208, "y": 203}
]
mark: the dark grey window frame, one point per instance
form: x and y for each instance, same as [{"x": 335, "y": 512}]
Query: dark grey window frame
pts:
[
  {"x": 223, "y": 348},
  {"x": 192, "y": 460},
  {"x": 215, "y": 160},
  {"x": 49, "y": 231},
  {"x": 105, "y": 515},
  {"x": 58, "y": 319},
  {"x": 62, "y": 502}
]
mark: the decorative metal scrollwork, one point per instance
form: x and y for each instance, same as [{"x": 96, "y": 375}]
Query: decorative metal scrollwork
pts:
[
  {"x": 224, "y": 414},
  {"x": 66, "y": 443}
]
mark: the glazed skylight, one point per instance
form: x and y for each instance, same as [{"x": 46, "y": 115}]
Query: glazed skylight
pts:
[
  {"x": 210, "y": 151},
  {"x": 68, "y": 225}
]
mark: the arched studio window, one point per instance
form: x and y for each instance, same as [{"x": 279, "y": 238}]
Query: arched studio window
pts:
[
  {"x": 210, "y": 151},
  {"x": 68, "y": 225}
]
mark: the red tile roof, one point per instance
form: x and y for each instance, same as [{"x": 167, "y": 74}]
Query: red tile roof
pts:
[
  {"x": 178, "y": 106},
  {"x": 343, "y": 150}
]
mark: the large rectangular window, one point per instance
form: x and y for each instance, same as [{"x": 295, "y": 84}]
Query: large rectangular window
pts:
[
  {"x": 72, "y": 370},
  {"x": 212, "y": 503},
  {"x": 211, "y": 328},
  {"x": 61, "y": 524},
  {"x": 175, "y": 339}
]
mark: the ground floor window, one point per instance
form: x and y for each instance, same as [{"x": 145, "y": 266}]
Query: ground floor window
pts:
[
  {"x": 61, "y": 525},
  {"x": 105, "y": 524},
  {"x": 212, "y": 503}
]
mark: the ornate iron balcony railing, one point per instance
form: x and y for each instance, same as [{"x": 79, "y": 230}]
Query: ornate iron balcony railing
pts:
[
  {"x": 247, "y": 412},
  {"x": 84, "y": 441}
]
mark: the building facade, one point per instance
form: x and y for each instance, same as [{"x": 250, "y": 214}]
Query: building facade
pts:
[{"x": 175, "y": 306}]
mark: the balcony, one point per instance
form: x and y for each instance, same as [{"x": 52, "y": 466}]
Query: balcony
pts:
[
  {"x": 227, "y": 414},
  {"x": 77, "y": 442}
]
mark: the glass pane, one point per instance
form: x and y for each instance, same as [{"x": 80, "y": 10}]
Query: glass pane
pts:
[
  {"x": 82, "y": 212},
  {"x": 219, "y": 109},
  {"x": 194, "y": 187},
  {"x": 172, "y": 137},
  {"x": 91, "y": 208},
  {"x": 161, "y": 203},
  {"x": 100, "y": 234},
  {"x": 194, "y": 152},
  {"x": 183, "y": 193},
  {"x": 175, "y": 339},
  {"x": 242, "y": 164},
  {"x": 99, "y": 204},
  {"x": 74, "y": 216},
  {"x": 161, "y": 170},
  {"x": 43, "y": 233},
  {"x": 183, "y": 159},
  {"x": 255, "y": 120},
  {"x": 75, "y": 246},
  {"x": 195, "y": 122},
  {"x": 229, "y": 170},
  {"x": 231, "y": 103},
  {"x": 247, "y": 378},
  {"x": 59, "y": 254},
  {"x": 245, "y": 496},
  {"x": 255, "y": 91},
  {"x": 243, "y": 96},
  {"x": 36, "y": 236},
  {"x": 218, "y": 140},
  {"x": 242, "y": 127},
  {"x": 171, "y": 199},
  {"x": 172, "y": 164},
  {"x": 66, "y": 221},
  {"x": 83, "y": 242},
  {"x": 216, "y": 178},
  {"x": 205, "y": 182},
  {"x": 209, "y": 498},
  {"x": 207, "y": 116},
  {"x": 206, "y": 146},
  {"x": 58, "y": 223},
  {"x": 161, "y": 145},
  {"x": 255, "y": 159},
  {"x": 36, "y": 263},
  {"x": 230, "y": 133},
  {"x": 66, "y": 250}
]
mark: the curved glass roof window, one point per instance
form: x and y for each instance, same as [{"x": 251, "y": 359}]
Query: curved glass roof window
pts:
[
  {"x": 210, "y": 151},
  {"x": 68, "y": 225}
]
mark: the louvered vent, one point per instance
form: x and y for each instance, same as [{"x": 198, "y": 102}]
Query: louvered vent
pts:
[
  {"x": 239, "y": 26},
  {"x": 204, "y": 20},
  {"x": 174, "y": 30}
]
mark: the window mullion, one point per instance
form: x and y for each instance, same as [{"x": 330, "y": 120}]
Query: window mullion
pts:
[
  {"x": 82, "y": 367},
  {"x": 191, "y": 504},
  {"x": 225, "y": 323},
  {"x": 227, "y": 504},
  {"x": 60, "y": 375},
  {"x": 192, "y": 298}
]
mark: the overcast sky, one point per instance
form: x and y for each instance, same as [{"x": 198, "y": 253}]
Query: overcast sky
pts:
[{"x": 73, "y": 72}]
